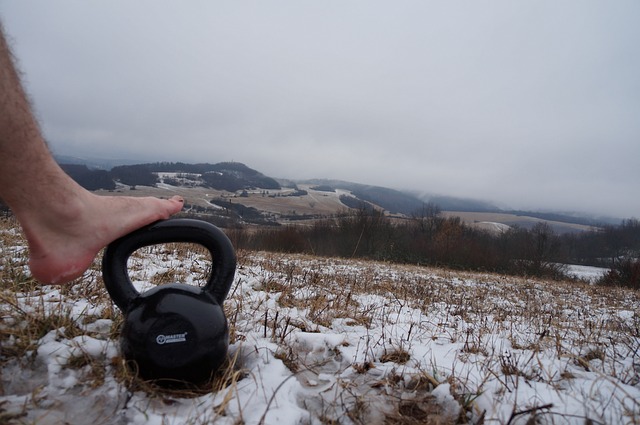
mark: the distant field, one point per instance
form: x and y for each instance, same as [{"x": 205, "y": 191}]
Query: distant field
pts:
[
  {"x": 315, "y": 203},
  {"x": 477, "y": 218},
  {"x": 195, "y": 196}
]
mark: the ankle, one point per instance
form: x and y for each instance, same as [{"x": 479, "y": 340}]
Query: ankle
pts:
[{"x": 54, "y": 212}]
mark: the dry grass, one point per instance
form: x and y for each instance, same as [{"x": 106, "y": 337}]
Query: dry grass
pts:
[
  {"x": 576, "y": 322},
  {"x": 488, "y": 336}
]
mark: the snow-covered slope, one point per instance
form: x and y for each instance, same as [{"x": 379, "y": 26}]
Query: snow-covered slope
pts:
[{"x": 318, "y": 341}]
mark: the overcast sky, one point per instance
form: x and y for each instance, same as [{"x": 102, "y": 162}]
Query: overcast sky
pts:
[{"x": 529, "y": 104}]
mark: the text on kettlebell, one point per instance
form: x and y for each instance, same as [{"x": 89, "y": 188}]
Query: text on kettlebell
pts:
[{"x": 170, "y": 339}]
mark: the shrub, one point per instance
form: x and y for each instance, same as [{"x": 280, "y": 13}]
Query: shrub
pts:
[{"x": 624, "y": 273}]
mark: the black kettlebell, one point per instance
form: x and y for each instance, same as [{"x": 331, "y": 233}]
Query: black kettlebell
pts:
[{"x": 175, "y": 333}]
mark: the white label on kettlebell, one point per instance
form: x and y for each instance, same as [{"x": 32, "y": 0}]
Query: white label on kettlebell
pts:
[{"x": 170, "y": 339}]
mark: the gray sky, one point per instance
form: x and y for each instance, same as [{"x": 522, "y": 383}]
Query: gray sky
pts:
[{"x": 527, "y": 104}]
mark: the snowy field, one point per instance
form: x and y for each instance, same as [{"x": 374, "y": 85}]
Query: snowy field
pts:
[
  {"x": 328, "y": 341},
  {"x": 586, "y": 273}
]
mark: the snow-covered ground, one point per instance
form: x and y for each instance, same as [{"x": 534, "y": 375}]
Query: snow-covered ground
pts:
[
  {"x": 319, "y": 341},
  {"x": 586, "y": 273}
]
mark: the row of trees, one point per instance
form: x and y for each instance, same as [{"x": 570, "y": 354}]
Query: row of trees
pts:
[
  {"x": 430, "y": 239},
  {"x": 606, "y": 247},
  {"x": 230, "y": 176},
  {"x": 90, "y": 179}
]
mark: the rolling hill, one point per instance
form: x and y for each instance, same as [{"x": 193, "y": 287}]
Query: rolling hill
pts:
[{"x": 253, "y": 197}]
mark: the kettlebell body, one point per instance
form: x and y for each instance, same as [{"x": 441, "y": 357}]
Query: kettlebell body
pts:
[{"x": 174, "y": 333}]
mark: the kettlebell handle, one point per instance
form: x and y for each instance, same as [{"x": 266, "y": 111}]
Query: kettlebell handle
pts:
[{"x": 114, "y": 261}]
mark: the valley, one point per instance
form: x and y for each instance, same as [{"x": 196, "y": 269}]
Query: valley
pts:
[{"x": 282, "y": 204}]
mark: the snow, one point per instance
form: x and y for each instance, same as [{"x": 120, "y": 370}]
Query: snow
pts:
[
  {"x": 321, "y": 340},
  {"x": 492, "y": 226},
  {"x": 166, "y": 186},
  {"x": 587, "y": 273}
]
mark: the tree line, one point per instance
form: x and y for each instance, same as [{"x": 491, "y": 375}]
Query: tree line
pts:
[{"x": 428, "y": 238}]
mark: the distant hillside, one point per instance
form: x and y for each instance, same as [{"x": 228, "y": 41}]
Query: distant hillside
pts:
[
  {"x": 229, "y": 176},
  {"x": 269, "y": 195},
  {"x": 89, "y": 179},
  {"x": 134, "y": 175},
  {"x": 391, "y": 200},
  {"x": 448, "y": 203},
  {"x": 94, "y": 163},
  {"x": 243, "y": 176}
]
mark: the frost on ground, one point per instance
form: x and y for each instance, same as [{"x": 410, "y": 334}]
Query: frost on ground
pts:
[{"x": 324, "y": 341}]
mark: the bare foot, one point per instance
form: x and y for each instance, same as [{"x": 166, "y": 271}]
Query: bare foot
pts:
[{"x": 63, "y": 244}]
